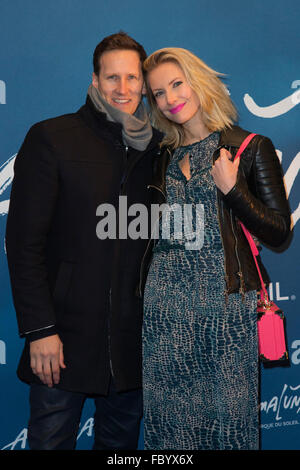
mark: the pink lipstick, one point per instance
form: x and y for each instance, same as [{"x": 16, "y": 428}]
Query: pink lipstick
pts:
[{"x": 177, "y": 108}]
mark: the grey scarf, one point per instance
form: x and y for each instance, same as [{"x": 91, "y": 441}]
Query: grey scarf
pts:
[{"x": 137, "y": 130}]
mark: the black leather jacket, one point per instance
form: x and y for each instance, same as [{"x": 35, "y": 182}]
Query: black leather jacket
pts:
[{"x": 258, "y": 199}]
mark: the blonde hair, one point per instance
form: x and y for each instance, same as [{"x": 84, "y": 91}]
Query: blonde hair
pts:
[{"x": 218, "y": 111}]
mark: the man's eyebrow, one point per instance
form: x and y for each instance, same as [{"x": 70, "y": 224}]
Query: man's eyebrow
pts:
[{"x": 108, "y": 74}]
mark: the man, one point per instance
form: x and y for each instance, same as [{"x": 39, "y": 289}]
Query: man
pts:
[{"x": 74, "y": 294}]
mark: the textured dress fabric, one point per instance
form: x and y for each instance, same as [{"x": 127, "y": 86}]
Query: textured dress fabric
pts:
[{"x": 200, "y": 361}]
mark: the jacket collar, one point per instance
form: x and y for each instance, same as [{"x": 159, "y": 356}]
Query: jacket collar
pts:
[{"x": 232, "y": 137}]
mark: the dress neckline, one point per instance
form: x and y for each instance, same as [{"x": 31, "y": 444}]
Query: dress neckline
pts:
[{"x": 198, "y": 141}]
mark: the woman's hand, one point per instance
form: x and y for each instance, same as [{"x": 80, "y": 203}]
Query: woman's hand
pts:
[{"x": 224, "y": 171}]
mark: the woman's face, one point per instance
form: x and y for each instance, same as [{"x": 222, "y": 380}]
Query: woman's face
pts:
[{"x": 174, "y": 96}]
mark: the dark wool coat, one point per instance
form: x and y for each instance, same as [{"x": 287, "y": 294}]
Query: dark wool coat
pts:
[{"x": 62, "y": 274}]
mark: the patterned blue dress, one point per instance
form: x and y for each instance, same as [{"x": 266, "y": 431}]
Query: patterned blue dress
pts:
[{"x": 200, "y": 366}]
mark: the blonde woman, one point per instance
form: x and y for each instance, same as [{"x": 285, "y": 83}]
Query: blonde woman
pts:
[{"x": 199, "y": 336}]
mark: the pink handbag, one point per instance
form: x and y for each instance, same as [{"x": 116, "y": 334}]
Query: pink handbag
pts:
[{"x": 270, "y": 319}]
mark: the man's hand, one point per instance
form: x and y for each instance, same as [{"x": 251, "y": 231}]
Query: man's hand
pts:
[
  {"x": 224, "y": 171},
  {"x": 46, "y": 359}
]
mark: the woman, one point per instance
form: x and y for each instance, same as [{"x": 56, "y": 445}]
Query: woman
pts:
[{"x": 199, "y": 336}]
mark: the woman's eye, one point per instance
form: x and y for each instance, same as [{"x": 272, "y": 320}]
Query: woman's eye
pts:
[
  {"x": 157, "y": 94},
  {"x": 176, "y": 84}
]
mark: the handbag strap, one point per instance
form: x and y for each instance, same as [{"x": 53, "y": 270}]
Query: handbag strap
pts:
[
  {"x": 248, "y": 235},
  {"x": 255, "y": 253},
  {"x": 244, "y": 145}
]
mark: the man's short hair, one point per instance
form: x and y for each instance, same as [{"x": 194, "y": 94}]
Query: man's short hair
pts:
[{"x": 119, "y": 40}]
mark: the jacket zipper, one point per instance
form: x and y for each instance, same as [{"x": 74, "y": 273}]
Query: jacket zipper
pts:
[
  {"x": 158, "y": 189},
  {"x": 110, "y": 290},
  {"x": 109, "y": 347},
  {"x": 239, "y": 273},
  {"x": 124, "y": 174}
]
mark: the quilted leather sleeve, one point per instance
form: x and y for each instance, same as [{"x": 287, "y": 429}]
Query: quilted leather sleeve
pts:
[{"x": 264, "y": 209}]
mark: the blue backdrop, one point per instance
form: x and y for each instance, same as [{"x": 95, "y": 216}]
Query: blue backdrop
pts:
[{"x": 45, "y": 68}]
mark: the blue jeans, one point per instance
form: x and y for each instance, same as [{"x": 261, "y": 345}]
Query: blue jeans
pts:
[{"x": 55, "y": 417}]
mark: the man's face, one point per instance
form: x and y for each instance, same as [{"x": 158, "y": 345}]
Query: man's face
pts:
[{"x": 120, "y": 80}]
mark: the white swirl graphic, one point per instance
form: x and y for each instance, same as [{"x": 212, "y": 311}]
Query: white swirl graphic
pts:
[
  {"x": 6, "y": 177},
  {"x": 274, "y": 110}
]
